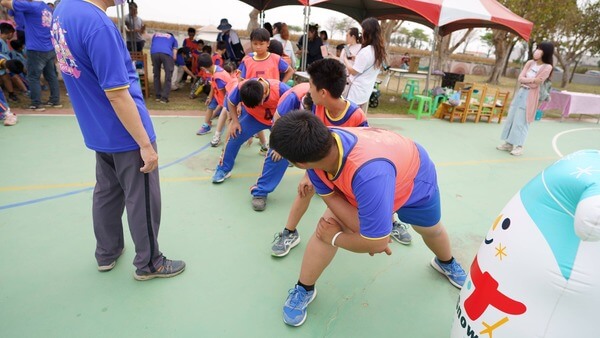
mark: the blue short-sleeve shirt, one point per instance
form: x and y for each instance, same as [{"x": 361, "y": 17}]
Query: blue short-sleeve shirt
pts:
[{"x": 93, "y": 59}]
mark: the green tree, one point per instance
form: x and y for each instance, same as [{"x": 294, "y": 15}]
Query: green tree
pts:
[
  {"x": 544, "y": 16},
  {"x": 418, "y": 38},
  {"x": 576, "y": 35}
]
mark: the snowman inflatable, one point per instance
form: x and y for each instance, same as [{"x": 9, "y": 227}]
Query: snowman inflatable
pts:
[{"x": 537, "y": 273}]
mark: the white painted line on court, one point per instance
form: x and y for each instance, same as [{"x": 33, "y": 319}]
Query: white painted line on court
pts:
[{"x": 555, "y": 138}]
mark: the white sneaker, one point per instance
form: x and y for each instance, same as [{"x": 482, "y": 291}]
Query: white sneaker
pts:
[
  {"x": 10, "y": 119},
  {"x": 216, "y": 140},
  {"x": 505, "y": 147},
  {"x": 517, "y": 151}
]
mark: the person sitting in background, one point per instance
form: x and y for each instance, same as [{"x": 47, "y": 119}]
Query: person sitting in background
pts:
[
  {"x": 405, "y": 61},
  {"x": 181, "y": 68}
]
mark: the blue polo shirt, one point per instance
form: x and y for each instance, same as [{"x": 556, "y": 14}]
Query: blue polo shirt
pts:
[
  {"x": 163, "y": 43},
  {"x": 93, "y": 59},
  {"x": 18, "y": 16},
  {"x": 38, "y": 18}
]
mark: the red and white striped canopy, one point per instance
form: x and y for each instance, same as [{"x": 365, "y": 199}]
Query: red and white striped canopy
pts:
[{"x": 448, "y": 15}]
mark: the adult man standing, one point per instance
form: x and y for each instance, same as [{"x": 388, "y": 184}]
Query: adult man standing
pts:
[
  {"x": 40, "y": 53},
  {"x": 235, "y": 50},
  {"x": 113, "y": 118},
  {"x": 163, "y": 53},
  {"x": 135, "y": 28}
]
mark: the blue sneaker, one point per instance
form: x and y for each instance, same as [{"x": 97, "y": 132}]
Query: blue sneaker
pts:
[
  {"x": 294, "y": 309},
  {"x": 205, "y": 129},
  {"x": 220, "y": 176},
  {"x": 453, "y": 271}
]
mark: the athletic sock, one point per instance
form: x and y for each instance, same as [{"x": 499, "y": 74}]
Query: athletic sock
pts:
[
  {"x": 306, "y": 287},
  {"x": 290, "y": 231},
  {"x": 446, "y": 262}
]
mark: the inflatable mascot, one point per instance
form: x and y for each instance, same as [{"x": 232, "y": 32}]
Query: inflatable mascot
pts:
[{"x": 537, "y": 273}]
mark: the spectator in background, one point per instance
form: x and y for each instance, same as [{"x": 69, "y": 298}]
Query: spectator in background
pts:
[
  {"x": 19, "y": 20},
  {"x": 181, "y": 68},
  {"x": 313, "y": 46},
  {"x": 282, "y": 34},
  {"x": 217, "y": 57},
  {"x": 324, "y": 38},
  {"x": 189, "y": 42},
  {"x": 10, "y": 79},
  {"x": 40, "y": 52},
  {"x": 235, "y": 51},
  {"x": 135, "y": 28},
  {"x": 405, "y": 61},
  {"x": 163, "y": 53},
  {"x": 367, "y": 64},
  {"x": 269, "y": 28}
]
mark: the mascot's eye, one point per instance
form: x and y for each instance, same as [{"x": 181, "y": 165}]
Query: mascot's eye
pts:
[{"x": 505, "y": 223}]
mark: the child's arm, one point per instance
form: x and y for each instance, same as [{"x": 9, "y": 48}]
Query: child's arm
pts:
[{"x": 288, "y": 74}]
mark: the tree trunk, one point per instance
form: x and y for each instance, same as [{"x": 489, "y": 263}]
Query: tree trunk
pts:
[
  {"x": 388, "y": 27},
  {"x": 510, "y": 50},
  {"x": 563, "y": 61},
  {"x": 253, "y": 23},
  {"x": 501, "y": 44},
  {"x": 444, "y": 50}
]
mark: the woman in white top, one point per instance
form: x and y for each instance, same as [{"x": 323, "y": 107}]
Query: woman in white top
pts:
[
  {"x": 353, "y": 43},
  {"x": 367, "y": 64},
  {"x": 282, "y": 34}
]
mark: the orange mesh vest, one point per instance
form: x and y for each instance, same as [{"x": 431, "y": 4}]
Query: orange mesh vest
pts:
[{"x": 372, "y": 144}]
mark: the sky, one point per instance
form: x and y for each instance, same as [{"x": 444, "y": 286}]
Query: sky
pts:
[{"x": 210, "y": 12}]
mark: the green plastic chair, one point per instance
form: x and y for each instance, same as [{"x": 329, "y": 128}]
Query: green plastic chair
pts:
[
  {"x": 411, "y": 88},
  {"x": 424, "y": 106}
]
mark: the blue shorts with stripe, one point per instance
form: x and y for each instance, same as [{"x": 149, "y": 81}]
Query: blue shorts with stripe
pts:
[{"x": 423, "y": 207}]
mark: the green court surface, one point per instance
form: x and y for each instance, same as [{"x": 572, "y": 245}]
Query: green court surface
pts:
[{"x": 232, "y": 287}]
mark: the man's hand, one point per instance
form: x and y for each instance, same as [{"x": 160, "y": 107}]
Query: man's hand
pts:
[
  {"x": 150, "y": 158},
  {"x": 235, "y": 129},
  {"x": 327, "y": 228},
  {"x": 305, "y": 186},
  {"x": 208, "y": 99}
]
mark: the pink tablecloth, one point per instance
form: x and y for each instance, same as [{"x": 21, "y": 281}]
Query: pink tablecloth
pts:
[{"x": 573, "y": 103}]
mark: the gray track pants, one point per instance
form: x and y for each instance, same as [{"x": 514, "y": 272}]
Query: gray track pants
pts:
[{"x": 120, "y": 185}]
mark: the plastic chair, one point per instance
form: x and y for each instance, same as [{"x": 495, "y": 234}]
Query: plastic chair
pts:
[
  {"x": 424, "y": 106},
  {"x": 439, "y": 99},
  {"x": 410, "y": 89}
]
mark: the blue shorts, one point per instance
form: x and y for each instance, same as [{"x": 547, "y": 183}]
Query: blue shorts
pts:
[
  {"x": 213, "y": 104},
  {"x": 423, "y": 207}
]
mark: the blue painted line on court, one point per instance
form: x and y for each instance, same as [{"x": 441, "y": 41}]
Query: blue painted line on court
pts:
[{"x": 74, "y": 192}]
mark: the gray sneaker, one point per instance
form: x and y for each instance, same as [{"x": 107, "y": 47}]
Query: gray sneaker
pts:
[
  {"x": 108, "y": 267},
  {"x": 168, "y": 268},
  {"x": 284, "y": 242},
  {"x": 259, "y": 203},
  {"x": 400, "y": 233}
]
